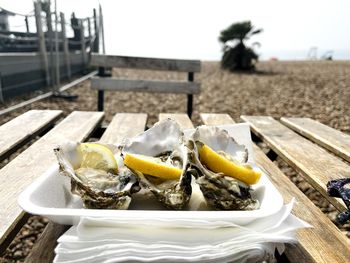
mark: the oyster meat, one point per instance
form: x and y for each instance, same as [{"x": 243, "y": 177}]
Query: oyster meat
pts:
[
  {"x": 97, "y": 188},
  {"x": 221, "y": 192},
  {"x": 165, "y": 143}
]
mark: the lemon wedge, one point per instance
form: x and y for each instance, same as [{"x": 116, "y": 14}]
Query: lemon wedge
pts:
[
  {"x": 219, "y": 164},
  {"x": 152, "y": 166},
  {"x": 97, "y": 156}
]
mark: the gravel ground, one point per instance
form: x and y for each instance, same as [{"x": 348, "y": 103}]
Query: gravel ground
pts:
[{"x": 320, "y": 90}]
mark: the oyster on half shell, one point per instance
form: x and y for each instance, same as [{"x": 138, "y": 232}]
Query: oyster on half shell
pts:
[
  {"x": 220, "y": 191},
  {"x": 97, "y": 188},
  {"x": 165, "y": 142}
]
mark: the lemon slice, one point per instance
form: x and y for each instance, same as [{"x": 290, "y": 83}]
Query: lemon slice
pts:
[
  {"x": 97, "y": 156},
  {"x": 152, "y": 166},
  {"x": 219, "y": 164}
]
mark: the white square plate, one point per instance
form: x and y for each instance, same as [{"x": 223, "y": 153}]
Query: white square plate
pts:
[{"x": 50, "y": 196}]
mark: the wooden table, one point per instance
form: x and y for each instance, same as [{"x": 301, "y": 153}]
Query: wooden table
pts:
[{"x": 303, "y": 143}]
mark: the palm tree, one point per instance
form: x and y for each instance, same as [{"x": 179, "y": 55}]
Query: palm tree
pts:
[{"x": 236, "y": 55}]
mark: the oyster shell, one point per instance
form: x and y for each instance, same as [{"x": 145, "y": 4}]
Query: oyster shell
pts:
[
  {"x": 165, "y": 141},
  {"x": 221, "y": 192},
  {"x": 97, "y": 188}
]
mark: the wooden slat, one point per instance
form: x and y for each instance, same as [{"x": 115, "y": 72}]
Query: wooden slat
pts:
[
  {"x": 115, "y": 84},
  {"x": 123, "y": 125},
  {"x": 19, "y": 130},
  {"x": 216, "y": 118},
  {"x": 331, "y": 139},
  {"x": 322, "y": 243},
  {"x": 180, "y": 65},
  {"x": 33, "y": 162},
  {"x": 43, "y": 250},
  {"x": 312, "y": 161},
  {"x": 181, "y": 118}
]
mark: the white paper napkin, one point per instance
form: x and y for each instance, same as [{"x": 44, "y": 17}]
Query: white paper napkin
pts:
[{"x": 108, "y": 240}]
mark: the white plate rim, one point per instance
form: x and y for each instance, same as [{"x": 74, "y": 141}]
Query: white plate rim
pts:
[{"x": 27, "y": 205}]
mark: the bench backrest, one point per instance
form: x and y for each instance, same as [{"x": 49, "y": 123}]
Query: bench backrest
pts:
[
  {"x": 179, "y": 65},
  {"x": 104, "y": 81}
]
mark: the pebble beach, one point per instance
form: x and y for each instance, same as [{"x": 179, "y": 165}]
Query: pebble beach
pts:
[{"x": 314, "y": 89}]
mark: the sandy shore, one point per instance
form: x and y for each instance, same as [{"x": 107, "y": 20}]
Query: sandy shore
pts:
[{"x": 316, "y": 89}]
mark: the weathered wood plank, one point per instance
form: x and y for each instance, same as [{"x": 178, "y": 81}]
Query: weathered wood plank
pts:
[
  {"x": 329, "y": 138},
  {"x": 33, "y": 162},
  {"x": 19, "y": 130},
  {"x": 180, "y": 65},
  {"x": 43, "y": 250},
  {"x": 65, "y": 44},
  {"x": 181, "y": 118},
  {"x": 82, "y": 43},
  {"x": 322, "y": 243},
  {"x": 216, "y": 118},
  {"x": 41, "y": 41},
  {"x": 123, "y": 125},
  {"x": 115, "y": 84},
  {"x": 313, "y": 162}
]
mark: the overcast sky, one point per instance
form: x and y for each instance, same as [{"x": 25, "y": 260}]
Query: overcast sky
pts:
[{"x": 190, "y": 28}]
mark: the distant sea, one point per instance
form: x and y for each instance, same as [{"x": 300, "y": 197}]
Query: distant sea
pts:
[
  {"x": 289, "y": 55},
  {"x": 303, "y": 54}
]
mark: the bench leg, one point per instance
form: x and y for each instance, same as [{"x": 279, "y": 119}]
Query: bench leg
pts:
[
  {"x": 100, "y": 100},
  {"x": 189, "y": 105},
  {"x": 190, "y": 78},
  {"x": 100, "y": 95}
]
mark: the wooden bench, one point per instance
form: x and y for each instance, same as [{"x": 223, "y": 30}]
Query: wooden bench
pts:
[
  {"x": 322, "y": 243},
  {"x": 313, "y": 162},
  {"x": 329, "y": 138},
  {"x": 33, "y": 162},
  {"x": 25, "y": 127},
  {"x": 123, "y": 125},
  {"x": 104, "y": 81}
]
